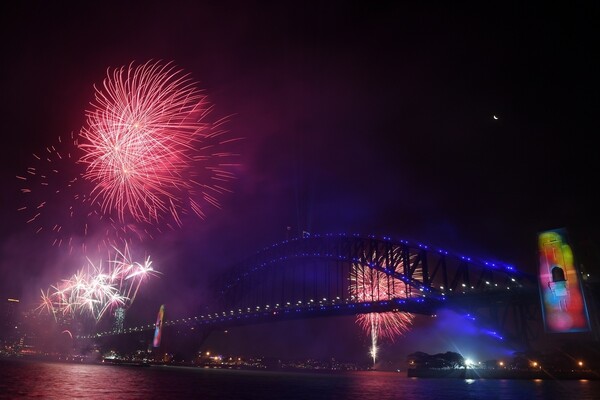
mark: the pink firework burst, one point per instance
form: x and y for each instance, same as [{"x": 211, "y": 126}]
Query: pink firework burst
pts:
[
  {"x": 149, "y": 149},
  {"x": 372, "y": 285}
]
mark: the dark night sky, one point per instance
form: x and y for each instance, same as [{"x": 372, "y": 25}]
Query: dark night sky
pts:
[{"x": 356, "y": 117}]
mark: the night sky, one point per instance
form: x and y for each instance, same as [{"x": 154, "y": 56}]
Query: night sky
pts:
[{"x": 355, "y": 117}]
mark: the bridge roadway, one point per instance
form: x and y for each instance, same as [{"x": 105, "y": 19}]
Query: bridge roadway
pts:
[{"x": 332, "y": 308}]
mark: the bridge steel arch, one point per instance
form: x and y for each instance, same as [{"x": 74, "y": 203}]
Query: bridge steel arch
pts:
[{"x": 315, "y": 273}]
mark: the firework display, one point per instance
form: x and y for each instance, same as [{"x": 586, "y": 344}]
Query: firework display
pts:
[
  {"x": 92, "y": 291},
  {"x": 147, "y": 157},
  {"x": 369, "y": 285}
]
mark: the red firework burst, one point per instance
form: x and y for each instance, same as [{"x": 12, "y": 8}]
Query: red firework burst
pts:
[
  {"x": 147, "y": 156},
  {"x": 148, "y": 147}
]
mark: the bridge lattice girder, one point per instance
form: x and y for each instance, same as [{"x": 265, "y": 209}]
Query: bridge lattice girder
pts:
[
  {"x": 502, "y": 295},
  {"x": 424, "y": 272}
]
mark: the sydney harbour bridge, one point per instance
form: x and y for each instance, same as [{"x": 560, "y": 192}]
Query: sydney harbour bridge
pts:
[{"x": 321, "y": 275}]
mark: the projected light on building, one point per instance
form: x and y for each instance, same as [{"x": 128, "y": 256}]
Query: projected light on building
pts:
[
  {"x": 563, "y": 303},
  {"x": 159, "y": 325}
]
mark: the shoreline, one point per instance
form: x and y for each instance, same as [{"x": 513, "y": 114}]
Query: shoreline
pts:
[
  {"x": 415, "y": 373},
  {"x": 476, "y": 373}
]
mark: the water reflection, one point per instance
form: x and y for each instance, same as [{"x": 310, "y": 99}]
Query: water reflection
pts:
[{"x": 42, "y": 380}]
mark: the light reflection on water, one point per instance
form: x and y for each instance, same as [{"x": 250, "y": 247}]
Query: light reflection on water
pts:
[{"x": 44, "y": 380}]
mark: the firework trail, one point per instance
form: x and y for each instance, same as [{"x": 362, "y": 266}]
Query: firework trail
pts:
[
  {"x": 56, "y": 202},
  {"x": 149, "y": 149},
  {"x": 147, "y": 157},
  {"x": 92, "y": 291},
  {"x": 369, "y": 285},
  {"x": 50, "y": 192}
]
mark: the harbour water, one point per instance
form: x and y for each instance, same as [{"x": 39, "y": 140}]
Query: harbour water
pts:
[{"x": 20, "y": 379}]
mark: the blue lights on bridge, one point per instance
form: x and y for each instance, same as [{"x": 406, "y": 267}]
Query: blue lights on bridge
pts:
[
  {"x": 386, "y": 239},
  {"x": 425, "y": 278}
]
